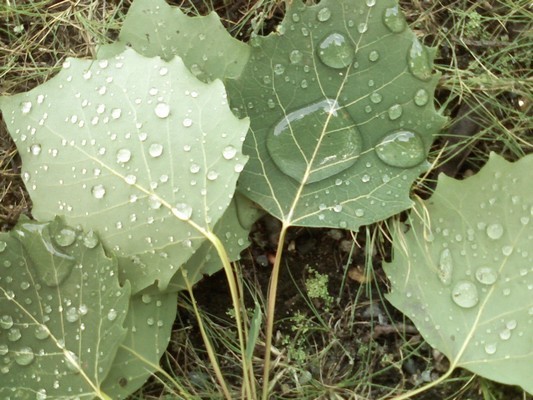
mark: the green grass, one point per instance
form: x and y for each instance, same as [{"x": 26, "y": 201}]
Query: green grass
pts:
[{"x": 341, "y": 351}]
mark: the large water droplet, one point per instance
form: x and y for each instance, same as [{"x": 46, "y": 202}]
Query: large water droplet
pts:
[
  {"x": 72, "y": 315},
  {"x": 65, "y": 237},
  {"x": 323, "y": 14},
  {"x": 418, "y": 61},
  {"x": 14, "y": 335},
  {"x": 486, "y": 275},
  {"x": 98, "y": 191},
  {"x": 421, "y": 97},
  {"x": 6, "y": 321},
  {"x": 123, "y": 155},
  {"x": 24, "y": 356},
  {"x": 394, "y": 20},
  {"x": 155, "y": 150},
  {"x": 445, "y": 269},
  {"x": 494, "y": 231},
  {"x": 464, "y": 294},
  {"x": 229, "y": 152},
  {"x": 41, "y": 332},
  {"x": 183, "y": 211},
  {"x": 293, "y": 142},
  {"x": 395, "y": 112},
  {"x": 90, "y": 240},
  {"x": 295, "y": 57},
  {"x": 335, "y": 51},
  {"x": 402, "y": 149},
  {"x": 162, "y": 110}
]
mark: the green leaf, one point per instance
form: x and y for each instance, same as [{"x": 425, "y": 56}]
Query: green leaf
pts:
[
  {"x": 136, "y": 149},
  {"x": 463, "y": 274},
  {"x": 62, "y": 312},
  {"x": 342, "y": 117},
  {"x": 149, "y": 322},
  {"x": 153, "y": 28}
]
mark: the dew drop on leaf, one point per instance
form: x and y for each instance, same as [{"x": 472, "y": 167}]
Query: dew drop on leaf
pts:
[
  {"x": 395, "y": 112},
  {"x": 486, "y": 275},
  {"x": 362, "y": 27},
  {"x": 212, "y": 175},
  {"x": 229, "y": 152},
  {"x": 112, "y": 314},
  {"x": 421, "y": 97},
  {"x": 90, "y": 240},
  {"x": 123, "y": 155},
  {"x": 490, "y": 348},
  {"x": 65, "y": 237},
  {"x": 402, "y": 149},
  {"x": 494, "y": 231},
  {"x": 25, "y": 107},
  {"x": 6, "y": 321},
  {"x": 4, "y": 349},
  {"x": 155, "y": 150},
  {"x": 187, "y": 122},
  {"x": 335, "y": 51},
  {"x": 323, "y": 14},
  {"x": 418, "y": 61},
  {"x": 146, "y": 298},
  {"x": 183, "y": 211},
  {"x": 98, "y": 191},
  {"x": 72, "y": 315},
  {"x": 41, "y": 332},
  {"x": 464, "y": 294},
  {"x": 376, "y": 98},
  {"x": 35, "y": 149},
  {"x": 295, "y": 56},
  {"x": 24, "y": 356},
  {"x": 393, "y": 19},
  {"x": 373, "y": 56},
  {"x": 370, "y": 3},
  {"x": 154, "y": 202},
  {"x": 445, "y": 268},
  {"x": 292, "y": 149},
  {"x": 14, "y": 335},
  {"x": 162, "y": 110}
]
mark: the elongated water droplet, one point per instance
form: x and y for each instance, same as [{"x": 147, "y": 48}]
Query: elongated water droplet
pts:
[
  {"x": 183, "y": 211},
  {"x": 421, "y": 97},
  {"x": 486, "y": 275},
  {"x": 445, "y": 271},
  {"x": 494, "y": 231},
  {"x": 464, "y": 294},
  {"x": 402, "y": 149},
  {"x": 323, "y": 14},
  {"x": 394, "y": 20},
  {"x": 292, "y": 143},
  {"x": 335, "y": 51},
  {"x": 418, "y": 61},
  {"x": 395, "y": 112},
  {"x": 25, "y": 107}
]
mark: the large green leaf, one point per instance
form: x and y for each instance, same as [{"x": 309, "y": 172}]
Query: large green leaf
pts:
[
  {"x": 62, "y": 312},
  {"x": 149, "y": 322},
  {"x": 342, "y": 115},
  {"x": 464, "y": 273},
  {"x": 153, "y": 28},
  {"x": 136, "y": 149}
]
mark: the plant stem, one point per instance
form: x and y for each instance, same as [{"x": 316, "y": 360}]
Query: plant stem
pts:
[{"x": 271, "y": 309}]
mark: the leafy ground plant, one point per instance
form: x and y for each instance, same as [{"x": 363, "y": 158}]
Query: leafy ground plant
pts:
[{"x": 340, "y": 104}]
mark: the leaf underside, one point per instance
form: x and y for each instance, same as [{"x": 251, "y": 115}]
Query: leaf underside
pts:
[
  {"x": 62, "y": 312},
  {"x": 150, "y": 164},
  {"x": 464, "y": 274},
  {"x": 341, "y": 107}
]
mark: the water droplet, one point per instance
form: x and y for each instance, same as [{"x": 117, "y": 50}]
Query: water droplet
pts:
[
  {"x": 154, "y": 202},
  {"x": 370, "y": 3},
  {"x": 335, "y": 51},
  {"x": 65, "y": 237},
  {"x": 445, "y": 269},
  {"x": 4, "y": 349},
  {"x": 505, "y": 334},
  {"x": 162, "y": 110},
  {"x": 292, "y": 143},
  {"x": 6, "y": 321},
  {"x": 164, "y": 70},
  {"x": 187, "y": 122},
  {"x": 359, "y": 212},
  {"x": 295, "y": 17},
  {"x": 278, "y": 70},
  {"x": 41, "y": 332},
  {"x": 421, "y": 97},
  {"x": 25, "y": 107},
  {"x": 511, "y": 324},
  {"x": 183, "y": 211},
  {"x": 395, "y": 112},
  {"x": 116, "y": 113},
  {"x": 146, "y": 298},
  {"x": 14, "y": 334},
  {"x": 337, "y": 207},
  {"x": 130, "y": 179},
  {"x": 41, "y": 394},
  {"x": 373, "y": 56},
  {"x": 418, "y": 61},
  {"x": 401, "y": 149},
  {"x": 212, "y": 175},
  {"x": 394, "y": 20},
  {"x": 295, "y": 57},
  {"x": 229, "y": 152},
  {"x": 362, "y": 27},
  {"x": 494, "y": 231},
  {"x": 71, "y": 315},
  {"x": 90, "y": 240},
  {"x": 486, "y": 275},
  {"x": 98, "y": 191},
  {"x": 35, "y": 149},
  {"x": 155, "y": 150},
  {"x": 24, "y": 356},
  {"x": 490, "y": 348},
  {"x": 72, "y": 361},
  {"x": 112, "y": 314},
  {"x": 507, "y": 250},
  {"x": 323, "y": 14},
  {"x": 376, "y": 98},
  {"x": 123, "y": 155},
  {"x": 464, "y": 294}
]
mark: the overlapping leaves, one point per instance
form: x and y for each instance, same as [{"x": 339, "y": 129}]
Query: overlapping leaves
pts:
[
  {"x": 340, "y": 102},
  {"x": 463, "y": 273}
]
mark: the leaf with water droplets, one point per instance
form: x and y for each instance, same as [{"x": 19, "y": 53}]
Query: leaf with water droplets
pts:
[
  {"x": 149, "y": 323},
  {"x": 154, "y": 28},
  {"x": 135, "y": 149},
  {"x": 341, "y": 106},
  {"x": 464, "y": 273},
  {"x": 61, "y": 312}
]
